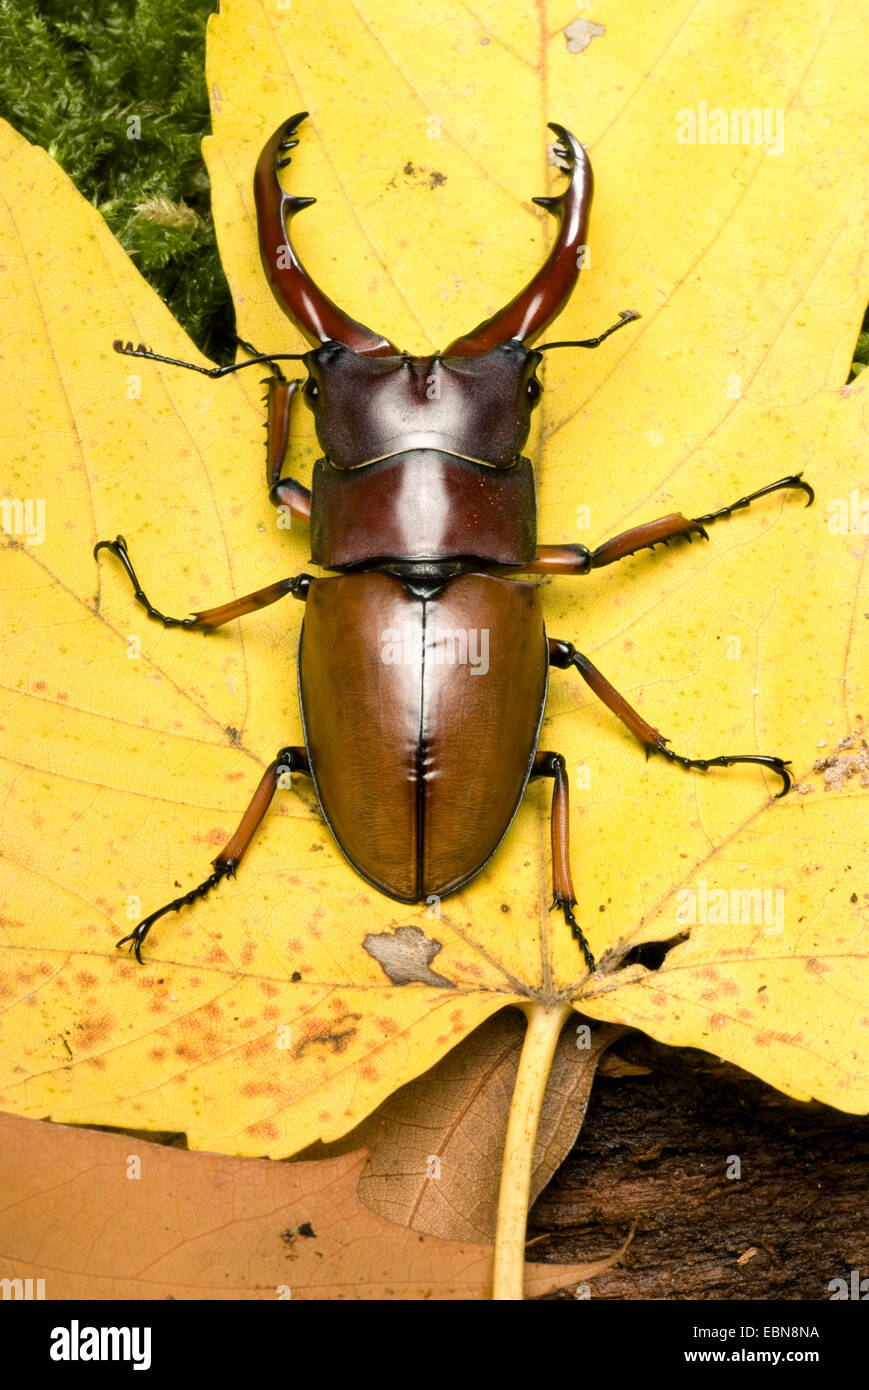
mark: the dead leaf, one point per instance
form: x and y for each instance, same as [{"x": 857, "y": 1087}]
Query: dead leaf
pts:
[
  {"x": 617, "y": 1066},
  {"x": 436, "y": 1146},
  {"x": 104, "y": 1216}
]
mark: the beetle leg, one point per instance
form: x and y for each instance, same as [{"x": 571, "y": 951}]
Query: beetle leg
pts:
[
  {"x": 286, "y": 492},
  {"x": 207, "y": 619},
  {"x": 577, "y": 559},
  {"x": 289, "y": 492},
  {"x": 564, "y": 654},
  {"x": 210, "y": 618},
  {"x": 292, "y": 759},
  {"x": 559, "y": 559},
  {"x": 664, "y": 529},
  {"x": 553, "y": 765},
  {"x": 668, "y": 527}
]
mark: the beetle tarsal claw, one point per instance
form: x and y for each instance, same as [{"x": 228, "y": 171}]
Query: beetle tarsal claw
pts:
[
  {"x": 778, "y": 765},
  {"x": 222, "y": 869},
  {"x": 567, "y": 906}
]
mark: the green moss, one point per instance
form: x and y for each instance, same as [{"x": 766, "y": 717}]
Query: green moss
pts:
[
  {"x": 117, "y": 96},
  {"x": 861, "y": 352}
]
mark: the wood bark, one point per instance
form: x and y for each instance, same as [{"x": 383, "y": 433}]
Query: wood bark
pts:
[{"x": 660, "y": 1136}]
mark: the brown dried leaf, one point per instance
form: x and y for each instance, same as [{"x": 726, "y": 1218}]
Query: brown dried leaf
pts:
[
  {"x": 107, "y": 1216},
  {"x": 437, "y": 1145}
]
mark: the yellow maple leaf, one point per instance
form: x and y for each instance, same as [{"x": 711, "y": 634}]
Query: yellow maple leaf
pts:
[{"x": 260, "y": 1023}]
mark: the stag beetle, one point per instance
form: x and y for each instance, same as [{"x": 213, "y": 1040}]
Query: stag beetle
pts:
[{"x": 423, "y": 663}]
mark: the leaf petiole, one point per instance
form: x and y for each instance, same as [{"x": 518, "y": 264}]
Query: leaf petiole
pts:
[{"x": 545, "y": 1023}]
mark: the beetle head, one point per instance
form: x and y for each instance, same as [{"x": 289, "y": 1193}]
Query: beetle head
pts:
[{"x": 369, "y": 408}]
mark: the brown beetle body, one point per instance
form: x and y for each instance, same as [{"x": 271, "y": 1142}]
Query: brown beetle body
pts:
[
  {"x": 398, "y": 711},
  {"x": 423, "y": 667}
]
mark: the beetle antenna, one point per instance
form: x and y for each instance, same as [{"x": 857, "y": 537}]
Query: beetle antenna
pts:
[
  {"x": 255, "y": 352},
  {"x": 626, "y": 316},
  {"x": 127, "y": 350}
]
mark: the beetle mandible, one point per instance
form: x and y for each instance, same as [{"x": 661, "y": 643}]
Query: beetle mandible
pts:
[{"x": 423, "y": 505}]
